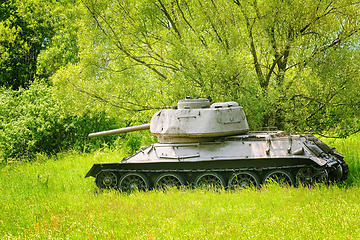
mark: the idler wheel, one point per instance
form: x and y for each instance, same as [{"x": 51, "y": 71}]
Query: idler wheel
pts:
[
  {"x": 209, "y": 180},
  {"x": 106, "y": 179},
  {"x": 281, "y": 177},
  {"x": 133, "y": 181},
  {"x": 169, "y": 180},
  {"x": 243, "y": 180},
  {"x": 309, "y": 176}
]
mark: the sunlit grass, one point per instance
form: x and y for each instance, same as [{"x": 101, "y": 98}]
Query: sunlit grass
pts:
[
  {"x": 349, "y": 147},
  {"x": 51, "y": 199}
]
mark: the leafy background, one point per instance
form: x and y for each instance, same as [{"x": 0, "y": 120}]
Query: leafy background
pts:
[{"x": 71, "y": 67}]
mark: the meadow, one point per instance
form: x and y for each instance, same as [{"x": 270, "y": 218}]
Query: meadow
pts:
[{"x": 51, "y": 199}]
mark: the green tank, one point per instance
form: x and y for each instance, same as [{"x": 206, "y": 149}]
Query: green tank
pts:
[{"x": 210, "y": 145}]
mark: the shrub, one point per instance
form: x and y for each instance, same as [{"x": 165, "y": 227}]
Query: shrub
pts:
[{"x": 31, "y": 122}]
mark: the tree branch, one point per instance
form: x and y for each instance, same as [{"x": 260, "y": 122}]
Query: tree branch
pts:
[
  {"x": 172, "y": 22},
  {"x": 202, "y": 39},
  {"x": 262, "y": 81},
  {"x": 119, "y": 44},
  {"x": 112, "y": 103}
]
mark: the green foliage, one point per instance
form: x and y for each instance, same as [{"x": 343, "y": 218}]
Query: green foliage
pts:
[
  {"x": 107, "y": 75},
  {"x": 62, "y": 47},
  {"x": 289, "y": 64},
  {"x": 36, "y": 38},
  {"x": 25, "y": 26},
  {"x": 133, "y": 141},
  {"x": 31, "y": 122}
]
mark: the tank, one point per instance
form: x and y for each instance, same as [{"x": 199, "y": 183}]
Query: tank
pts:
[{"x": 210, "y": 145}]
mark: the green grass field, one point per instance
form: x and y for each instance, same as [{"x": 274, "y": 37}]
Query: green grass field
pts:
[{"x": 51, "y": 199}]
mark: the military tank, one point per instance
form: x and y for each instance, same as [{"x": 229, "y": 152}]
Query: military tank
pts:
[{"x": 210, "y": 145}]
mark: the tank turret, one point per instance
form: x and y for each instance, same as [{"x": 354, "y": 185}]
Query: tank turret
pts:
[
  {"x": 203, "y": 144},
  {"x": 193, "y": 120}
]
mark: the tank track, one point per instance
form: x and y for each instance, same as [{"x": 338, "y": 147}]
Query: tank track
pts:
[
  {"x": 345, "y": 168},
  {"x": 223, "y": 177}
]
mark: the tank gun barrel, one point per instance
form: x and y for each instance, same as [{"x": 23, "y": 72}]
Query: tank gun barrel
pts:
[{"x": 121, "y": 130}]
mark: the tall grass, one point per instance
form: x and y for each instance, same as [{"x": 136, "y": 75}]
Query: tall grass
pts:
[
  {"x": 51, "y": 199},
  {"x": 350, "y": 147}
]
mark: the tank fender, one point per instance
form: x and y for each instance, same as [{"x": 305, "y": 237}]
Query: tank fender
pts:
[
  {"x": 96, "y": 168},
  {"x": 324, "y": 147},
  {"x": 313, "y": 148},
  {"x": 338, "y": 155},
  {"x": 319, "y": 161}
]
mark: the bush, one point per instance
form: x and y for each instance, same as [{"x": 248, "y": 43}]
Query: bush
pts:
[{"x": 31, "y": 122}]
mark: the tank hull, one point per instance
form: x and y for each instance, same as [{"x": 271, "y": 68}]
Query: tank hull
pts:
[{"x": 231, "y": 162}]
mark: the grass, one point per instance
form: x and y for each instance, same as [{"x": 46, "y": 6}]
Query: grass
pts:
[
  {"x": 349, "y": 147},
  {"x": 51, "y": 199}
]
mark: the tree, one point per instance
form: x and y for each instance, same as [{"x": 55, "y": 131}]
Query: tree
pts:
[
  {"x": 62, "y": 48},
  {"x": 24, "y": 31},
  {"x": 302, "y": 37},
  {"x": 27, "y": 29},
  {"x": 290, "y": 64}
]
